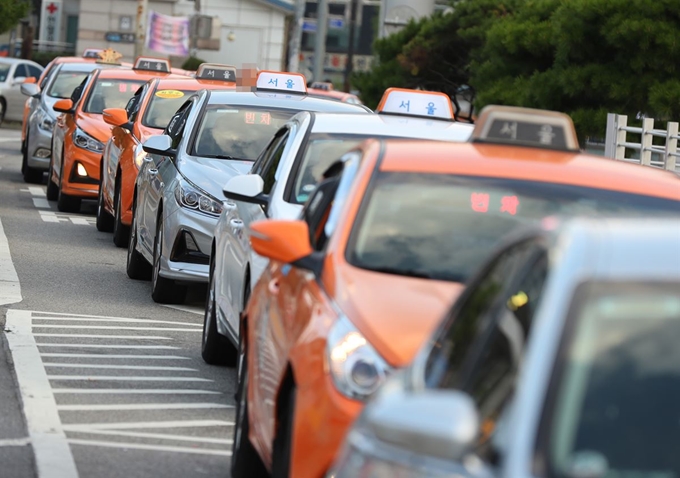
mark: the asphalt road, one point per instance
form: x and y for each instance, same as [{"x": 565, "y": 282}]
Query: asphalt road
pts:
[{"x": 96, "y": 380}]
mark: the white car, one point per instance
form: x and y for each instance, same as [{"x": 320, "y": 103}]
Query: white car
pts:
[
  {"x": 280, "y": 182},
  {"x": 13, "y": 72}
]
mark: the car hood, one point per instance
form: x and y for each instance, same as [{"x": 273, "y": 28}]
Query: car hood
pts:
[
  {"x": 212, "y": 174},
  {"x": 94, "y": 125},
  {"x": 396, "y": 314}
]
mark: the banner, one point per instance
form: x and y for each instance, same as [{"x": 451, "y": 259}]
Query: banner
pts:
[{"x": 166, "y": 34}]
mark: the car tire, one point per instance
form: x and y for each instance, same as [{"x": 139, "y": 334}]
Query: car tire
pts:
[
  {"x": 104, "y": 219},
  {"x": 31, "y": 175},
  {"x": 137, "y": 267},
  {"x": 245, "y": 461},
  {"x": 215, "y": 348},
  {"x": 163, "y": 290},
  {"x": 283, "y": 441},
  {"x": 121, "y": 232},
  {"x": 52, "y": 188},
  {"x": 3, "y": 109},
  {"x": 65, "y": 202}
]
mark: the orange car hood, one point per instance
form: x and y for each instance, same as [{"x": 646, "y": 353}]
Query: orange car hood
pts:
[
  {"x": 145, "y": 132},
  {"x": 94, "y": 125},
  {"x": 396, "y": 314}
]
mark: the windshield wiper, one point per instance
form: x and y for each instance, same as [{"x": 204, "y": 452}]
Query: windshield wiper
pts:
[
  {"x": 401, "y": 272},
  {"x": 226, "y": 156}
]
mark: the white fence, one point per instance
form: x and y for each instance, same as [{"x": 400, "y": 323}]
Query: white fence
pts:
[{"x": 645, "y": 152}]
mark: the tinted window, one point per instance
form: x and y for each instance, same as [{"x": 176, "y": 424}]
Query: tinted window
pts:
[
  {"x": 4, "y": 71},
  {"x": 110, "y": 93},
  {"x": 65, "y": 82},
  {"x": 34, "y": 72},
  {"x": 237, "y": 132},
  {"x": 176, "y": 126},
  {"x": 133, "y": 103},
  {"x": 271, "y": 162},
  {"x": 443, "y": 226},
  {"x": 615, "y": 391},
  {"x": 162, "y": 106},
  {"x": 21, "y": 71}
]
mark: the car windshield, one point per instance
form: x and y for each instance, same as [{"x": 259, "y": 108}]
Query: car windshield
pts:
[
  {"x": 4, "y": 71},
  {"x": 110, "y": 93},
  {"x": 237, "y": 132},
  {"x": 616, "y": 389},
  {"x": 321, "y": 151},
  {"x": 164, "y": 104},
  {"x": 65, "y": 82},
  {"x": 443, "y": 226}
]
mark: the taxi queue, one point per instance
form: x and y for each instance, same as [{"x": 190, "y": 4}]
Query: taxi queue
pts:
[{"x": 354, "y": 231}]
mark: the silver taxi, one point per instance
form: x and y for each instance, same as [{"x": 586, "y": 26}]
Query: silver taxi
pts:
[
  {"x": 282, "y": 179},
  {"x": 560, "y": 359},
  {"x": 59, "y": 83},
  {"x": 178, "y": 192}
]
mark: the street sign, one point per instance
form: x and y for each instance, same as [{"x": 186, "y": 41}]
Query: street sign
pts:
[
  {"x": 334, "y": 23},
  {"x": 118, "y": 37},
  {"x": 309, "y": 25}
]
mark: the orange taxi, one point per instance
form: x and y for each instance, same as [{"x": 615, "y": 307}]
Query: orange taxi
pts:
[
  {"x": 81, "y": 132},
  {"x": 326, "y": 90},
  {"x": 384, "y": 244},
  {"x": 147, "y": 114}
]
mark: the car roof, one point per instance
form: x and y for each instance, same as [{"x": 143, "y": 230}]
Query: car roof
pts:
[
  {"x": 129, "y": 74},
  {"x": 282, "y": 101},
  {"x": 79, "y": 67},
  {"x": 180, "y": 82},
  {"x": 533, "y": 164},
  {"x": 391, "y": 125},
  {"x": 14, "y": 61},
  {"x": 338, "y": 95}
]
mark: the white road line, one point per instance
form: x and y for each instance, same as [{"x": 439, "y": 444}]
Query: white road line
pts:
[
  {"x": 61, "y": 314},
  {"x": 186, "y": 308},
  {"x": 10, "y": 290},
  {"x": 15, "y": 442},
  {"x": 116, "y": 356},
  {"x": 52, "y": 453},
  {"x": 141, "y": 406},
  {"x": 118, "y": 367},
  {"x": 115, "y": 378},
  {"x": 137, "y": 446},
  {"x": 41, "y": 203},
  {"x": 80, "y": 221},
  {"x": 131, "y": 321},
  {"x": 36, "y": 191},
  {"x": 133, "y": 391},
  {"x": 93, "y": 346},
  {"x": 87, "y": 336},
  {"x": 10, "y": 140},
  {"x": 158, "y": 436},
  {"x": 149, "y": 425},
  {"x": 113, "y": 327}
]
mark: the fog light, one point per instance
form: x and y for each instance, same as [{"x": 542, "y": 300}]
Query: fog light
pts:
[
  {"x": 190, "y": 243},
  {"x": 42, "y": 153},
  {"x": 80, "y": 169}
]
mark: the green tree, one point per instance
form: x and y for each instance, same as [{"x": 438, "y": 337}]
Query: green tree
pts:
[
  {"x": 12, "y": 12},
  {"x": 584, "y": 57}
]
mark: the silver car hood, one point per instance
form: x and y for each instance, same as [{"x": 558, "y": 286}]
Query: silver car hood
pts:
[
  {"x": 211, "y": 174},
  {"x": 46, "y": 103}
]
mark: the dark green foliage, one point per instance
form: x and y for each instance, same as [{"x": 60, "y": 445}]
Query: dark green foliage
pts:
[
  {"x": 44, "y": 57},
  {"x": 192, "y": 63},
  {"x": 11, "y": 11}
]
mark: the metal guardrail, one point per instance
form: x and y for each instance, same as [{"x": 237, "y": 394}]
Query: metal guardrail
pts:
[{"x": 648, "y": 154}]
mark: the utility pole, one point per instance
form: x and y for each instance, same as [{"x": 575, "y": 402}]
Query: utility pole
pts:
[
  {"x": 320, "y": 43},
  {"x": 350, "y": 49},
  {"x": 296, "y": 36},
  {"x": 142, "y": 6}
]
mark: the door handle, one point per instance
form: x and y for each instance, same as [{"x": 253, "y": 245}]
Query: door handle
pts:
[
  {"x": 274, "y": 286},
  {"x": 236, "y": 223},
  {"x": 229, "y": 205}
]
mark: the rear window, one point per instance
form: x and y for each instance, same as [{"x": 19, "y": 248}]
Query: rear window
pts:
[
  {"x": 110, "y": 93},
  {"x": 65, "y": 82},
  {"x": 237, "y": 132},
  {"x": 163, "y": 105}
]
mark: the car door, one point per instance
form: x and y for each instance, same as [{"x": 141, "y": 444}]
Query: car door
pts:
[
  {"x": 237, "y": 250},
  {"x": 15, "y": 100}
]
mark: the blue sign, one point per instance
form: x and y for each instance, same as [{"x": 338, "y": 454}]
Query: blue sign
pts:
[
  {"x": 336, "y": 23},
  {"x": 309, "y": 26}
]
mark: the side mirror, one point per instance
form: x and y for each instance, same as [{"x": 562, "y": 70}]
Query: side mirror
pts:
[
  {"x": 63, "y": 106},
  {"x": 284, "y": 241},
  {"x": 247, "y": 188},
  {"x": 30, "y": 89},
  {"x": 115, "y": 116},
  {"x": 439, "y": 423},
  {"x": 30, "y": 79},
  {"x": 160, "y": 144},
  {"x": 18, "y": 80}
]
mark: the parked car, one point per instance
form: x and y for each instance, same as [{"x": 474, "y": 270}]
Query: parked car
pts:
[{"x": 13, "y": 73}]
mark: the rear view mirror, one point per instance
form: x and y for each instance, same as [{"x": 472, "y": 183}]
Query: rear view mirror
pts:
[
  {"x": 63, "y": 106},
  {"x": 115, "y": 116},
  {"x": 439, "y": 423},
  {"x": 283, "y": 241},
  {"x": 247, "y": 188},
  {"x": 160, "y": 144},
  {"x": 30, "y": 89},
  {"x": 18, "y": 80}
]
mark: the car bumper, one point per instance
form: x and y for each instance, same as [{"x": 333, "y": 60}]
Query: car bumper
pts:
[
  {"x": 39, "y": 148},
  {"x": 187, "y": 244},
  {"x": 84, "y": 187}
]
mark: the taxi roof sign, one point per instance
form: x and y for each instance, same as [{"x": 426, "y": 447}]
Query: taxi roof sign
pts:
[
  {"x": 109, "y": 57},
  {"x": 92, "y": 53},
  {"x": 322, "y": 85},
  {"x": 144, "y": 63},
  {"x": 282, "y": 81},
  {"x": 510, "y": 125},
  {"x": 426, "y": 104},
  {"x": 216, "y": 71}
]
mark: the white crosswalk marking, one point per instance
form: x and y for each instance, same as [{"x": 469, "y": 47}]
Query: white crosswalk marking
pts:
[{"x": 57, "y": 217}]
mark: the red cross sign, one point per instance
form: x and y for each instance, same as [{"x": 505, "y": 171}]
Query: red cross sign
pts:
[{"x": 52, "y": 8}]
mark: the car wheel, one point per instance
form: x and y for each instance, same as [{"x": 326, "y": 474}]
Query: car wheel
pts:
[
  {"x": 121, "y": 232},
  {"x": 3, "y": 108},
  {"x": 31, "y": 175},
  {"x": 66, "y": 203},
  {"x": 163, "y": 290},
  {"x": 137, "y": 267},
  {"x": 52, "y": 188},
  {"x": 283, "y": 441},
  {"x": 104, "y": 219},
  {"x": 245, "y": 461},
  {"x": 215, "y": 348}
]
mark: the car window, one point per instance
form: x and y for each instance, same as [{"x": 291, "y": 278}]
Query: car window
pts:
[
  {"x": 65, "y": 83},
  {"x": 77, "y": 92},
  {"x": 132, "y": 107},
  {"x": 110, "y": 93},
  {"x": 4, "y": 71},
  {"x": 271, "y": 163},
  {"x": 178, "y": 122},
  {"x": 21, "y": 71},
  {"x": 34, "y": 72},
  {"x": 162, "y": 105}
]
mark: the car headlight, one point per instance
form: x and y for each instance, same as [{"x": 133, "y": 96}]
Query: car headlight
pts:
[
  {"x": 45, "y": 121},
  {"x": 140, "y": 154},
  {"x": 189, "y": 196},
  {"x": 357, "y": 369},
  {"x": 85, "y": 141}
]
